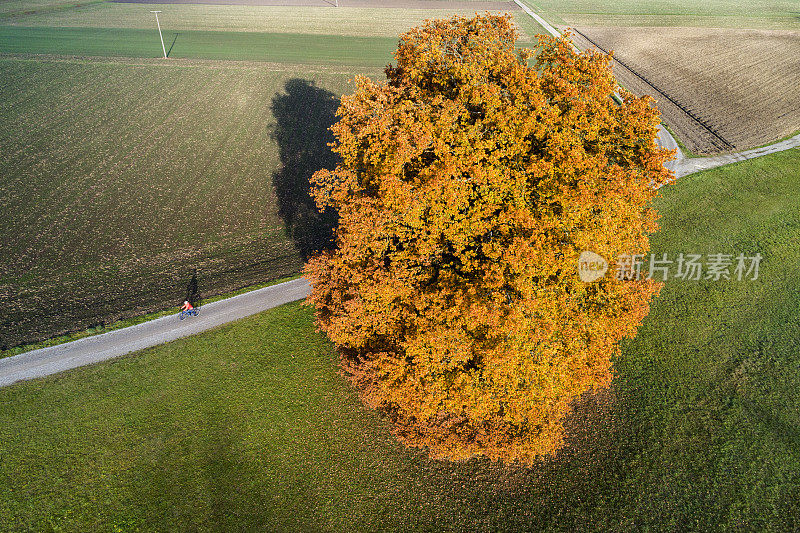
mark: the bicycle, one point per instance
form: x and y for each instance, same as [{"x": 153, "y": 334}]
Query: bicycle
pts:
[{"x": 184, "y": 314}]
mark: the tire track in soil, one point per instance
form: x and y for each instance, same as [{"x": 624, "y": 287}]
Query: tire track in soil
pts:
[{"x": 717, "y": 141}]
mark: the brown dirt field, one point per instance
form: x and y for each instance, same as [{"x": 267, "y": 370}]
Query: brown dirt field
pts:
[
  {"x": 477, "y": 5},
  {"x": 719, "y": 90}
]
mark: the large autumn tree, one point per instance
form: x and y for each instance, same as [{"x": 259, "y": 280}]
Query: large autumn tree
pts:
[{"x": 469, "y": 183}]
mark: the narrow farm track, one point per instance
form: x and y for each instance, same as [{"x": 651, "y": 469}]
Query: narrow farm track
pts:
[
  {"x": 89, "y": 350},
  {"x": 686, "y": 166}
]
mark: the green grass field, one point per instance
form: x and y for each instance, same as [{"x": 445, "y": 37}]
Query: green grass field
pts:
[
  {"x": 774, "y": 14},
  {"x": 122, "y": 176},
  {"x": 356, "y": 52},
  {"x": 249, "y": 427}
]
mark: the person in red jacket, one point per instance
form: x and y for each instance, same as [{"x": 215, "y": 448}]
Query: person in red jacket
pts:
[{"x": 186, "y": 306}]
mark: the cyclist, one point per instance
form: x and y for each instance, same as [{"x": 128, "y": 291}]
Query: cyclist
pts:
[{"x": 187, "y": 307}]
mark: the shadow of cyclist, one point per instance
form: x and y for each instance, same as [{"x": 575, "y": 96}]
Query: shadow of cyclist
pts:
[{"x": 192, "y": 291}]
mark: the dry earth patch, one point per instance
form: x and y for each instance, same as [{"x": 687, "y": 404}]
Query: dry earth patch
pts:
[{"x": 718, "y": 89}]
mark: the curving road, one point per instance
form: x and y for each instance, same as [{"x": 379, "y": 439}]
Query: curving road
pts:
[{"x": 89, "y": 350}]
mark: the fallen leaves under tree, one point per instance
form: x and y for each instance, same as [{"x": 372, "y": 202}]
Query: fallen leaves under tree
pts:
[{"x": 468, "y": 185}]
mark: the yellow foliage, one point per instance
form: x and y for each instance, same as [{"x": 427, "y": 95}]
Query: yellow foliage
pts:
[{"x": 469, "y": 184}]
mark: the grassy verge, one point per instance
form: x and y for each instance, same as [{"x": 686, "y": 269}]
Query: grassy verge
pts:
[
  {"x": 684, "y": 150},
  {"x": 249, "y": 427},
  {"x": 786, "y": 138},
  {"x": 188, "y": 44},
  {"x": 119, "y": 324},
  {"x": 529, "y": 29}
]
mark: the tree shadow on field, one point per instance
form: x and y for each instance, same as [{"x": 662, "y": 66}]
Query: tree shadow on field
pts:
[
  {"x": 303, "y": 115},
  {"x": 562, "y": 492}
]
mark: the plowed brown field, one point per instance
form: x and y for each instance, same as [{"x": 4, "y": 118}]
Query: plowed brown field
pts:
[
  {"x": 718, "y": 89},
  {"x": 126, "y": 185}
]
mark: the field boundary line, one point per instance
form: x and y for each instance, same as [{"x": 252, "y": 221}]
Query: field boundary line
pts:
[{"x": 691, "y": 115}]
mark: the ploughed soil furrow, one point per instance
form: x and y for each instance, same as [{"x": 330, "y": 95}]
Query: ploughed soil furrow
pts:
[
  {"x": 127, "y": 183},
  {"x": 718, "y": 90}
]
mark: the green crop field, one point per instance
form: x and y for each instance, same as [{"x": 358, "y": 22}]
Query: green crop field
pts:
[
  {"x": 122, "y": 177},
  {"x": 293, "y": 48},
  {"x": 774, "y": 14},
  {"x": 249, "y": 427}
]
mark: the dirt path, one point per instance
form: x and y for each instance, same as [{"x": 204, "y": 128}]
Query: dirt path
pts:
[{"x": 89, "y": 350}]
